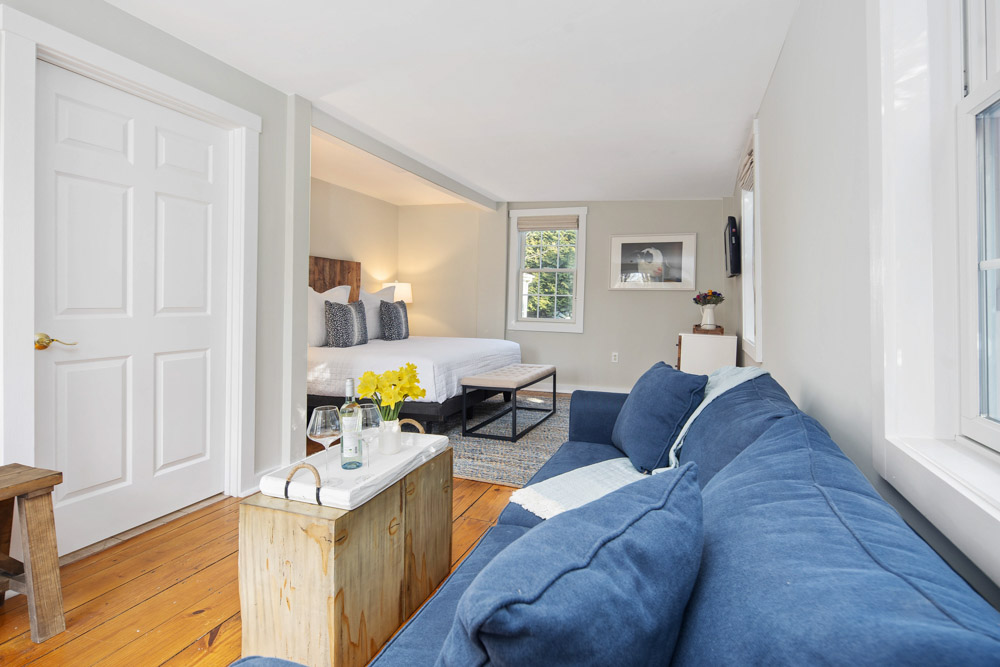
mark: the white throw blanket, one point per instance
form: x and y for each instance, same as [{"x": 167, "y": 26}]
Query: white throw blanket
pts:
[{"x": 580, "y": 486}]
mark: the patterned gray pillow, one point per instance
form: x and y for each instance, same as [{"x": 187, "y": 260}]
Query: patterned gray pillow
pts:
[
  {"x": 345, "y": 324},
  {"x": 395, "y": 324}
]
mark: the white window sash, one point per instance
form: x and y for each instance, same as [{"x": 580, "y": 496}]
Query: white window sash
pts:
[
  {"x": 752, "y": 340},
  {"x": 568, "y": 223},
  {"x": 528, "y": 220}
]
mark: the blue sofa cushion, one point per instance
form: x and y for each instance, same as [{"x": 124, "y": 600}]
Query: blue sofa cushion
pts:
[
  {"x": 603, "y": 584},
  {"x": 731, "y": 422},
  {"x": 805, "y": 564},
  {"x": 654, "y": 414},
  {"x": 592, "y": 415},
  {"x": 570, "y": 456},
  {"x": 419, "y": 641}
]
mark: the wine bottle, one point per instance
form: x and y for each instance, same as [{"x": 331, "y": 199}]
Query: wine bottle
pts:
[{"x": 350, "y": 439}]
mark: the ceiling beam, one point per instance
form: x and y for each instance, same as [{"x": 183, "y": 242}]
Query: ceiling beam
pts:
[{"x": 341, "y": 130}]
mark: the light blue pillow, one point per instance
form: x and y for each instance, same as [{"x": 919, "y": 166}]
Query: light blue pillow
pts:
[
  {"x": 654, "y": 414},
  {"x": 603, "y": 584}
]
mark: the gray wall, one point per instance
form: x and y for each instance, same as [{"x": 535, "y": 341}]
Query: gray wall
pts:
[
  {"x": 733, "y": 287},
  {"x": 117, "y": 31},
  {"x": 814, "y": 201},
  {"x": 641, "y": 326}
]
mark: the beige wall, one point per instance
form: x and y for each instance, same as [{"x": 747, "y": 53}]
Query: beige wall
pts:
[
  {"x": 492, "y": 275},
  {"x": 641, "y": 326},
  {"x": 439, "y": 249},
  {"x": 814, "y": 200},
  {"x": 453, "y": 254},
  {"x": 345, "y": 224}
]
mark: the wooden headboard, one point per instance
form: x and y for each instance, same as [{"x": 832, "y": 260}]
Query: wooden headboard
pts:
[{"x": 326, "y": 274}]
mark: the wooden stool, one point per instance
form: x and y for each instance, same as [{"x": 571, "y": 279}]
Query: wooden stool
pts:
[{"x": 38, "y": 576}]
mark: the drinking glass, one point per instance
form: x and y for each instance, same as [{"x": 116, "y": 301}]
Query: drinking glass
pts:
[
  {"x": 324, "y": 428},
  {"x": 371, "y": 419}
]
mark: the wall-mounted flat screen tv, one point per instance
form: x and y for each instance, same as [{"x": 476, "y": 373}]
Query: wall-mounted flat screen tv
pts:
[{"x": 732, "y": 247}]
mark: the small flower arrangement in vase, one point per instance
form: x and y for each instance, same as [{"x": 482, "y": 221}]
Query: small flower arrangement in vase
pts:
[
  {"x": 388, "y": 391},
  {"x": 708, "y": 301}
]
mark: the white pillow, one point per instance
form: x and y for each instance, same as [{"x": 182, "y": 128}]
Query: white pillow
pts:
[
  {"x": 373, "y": 312},
  {"x": 317, "y": 311}
]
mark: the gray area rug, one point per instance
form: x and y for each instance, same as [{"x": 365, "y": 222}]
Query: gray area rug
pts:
[{"x": 502, "y": 462}]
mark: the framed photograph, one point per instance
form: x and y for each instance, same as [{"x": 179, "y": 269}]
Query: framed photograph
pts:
[{"x": 653, "y": 261}]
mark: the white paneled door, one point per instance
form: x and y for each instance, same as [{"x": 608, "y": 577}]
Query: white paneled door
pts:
[{"x": 131, "y": 251}]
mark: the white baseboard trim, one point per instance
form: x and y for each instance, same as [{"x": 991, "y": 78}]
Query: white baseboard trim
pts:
[{"x": 256, "y": 481}]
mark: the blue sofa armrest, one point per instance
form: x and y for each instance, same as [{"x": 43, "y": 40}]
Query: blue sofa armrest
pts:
[{"x": 592, "y": 415}]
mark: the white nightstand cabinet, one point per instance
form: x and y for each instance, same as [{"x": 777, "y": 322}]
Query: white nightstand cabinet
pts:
[{"x": 700, "y": 354}]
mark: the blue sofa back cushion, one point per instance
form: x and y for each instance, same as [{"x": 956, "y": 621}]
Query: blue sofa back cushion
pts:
[
  {"x": 804, "y": 564},
  {"x": 603, "y": 584},
  {"x": 654, "y": 414},
  {"x": 731, "y": 422}
]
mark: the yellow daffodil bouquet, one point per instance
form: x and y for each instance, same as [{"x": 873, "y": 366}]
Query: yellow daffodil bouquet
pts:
[{"x": 391, "y": 388}]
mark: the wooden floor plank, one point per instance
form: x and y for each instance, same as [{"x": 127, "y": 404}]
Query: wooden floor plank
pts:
[
  {"x": 96, "y": 562},
  {"x": 138, "y": 544},
  {"x": 217, "y": 648},
  {"x": 141, "y": 636},
  {"x": 465, "y": 533},
  {"x": 170, "y": 595},
  {"x": 490, "y": 504},
  {"x": 154, "y": 584},
  {"x": 160, "y": 645},
  {"x": 465, "y": 493},
  {"x": 150, "y": 556}
]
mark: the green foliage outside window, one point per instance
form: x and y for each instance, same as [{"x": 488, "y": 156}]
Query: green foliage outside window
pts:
[{"x": 548, "y": 274}]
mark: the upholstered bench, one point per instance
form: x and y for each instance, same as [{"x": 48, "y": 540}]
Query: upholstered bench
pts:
[{"x": 509, "y": 379}]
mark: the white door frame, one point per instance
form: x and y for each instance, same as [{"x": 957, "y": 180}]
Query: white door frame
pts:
[{"x": 24, "y": 40}]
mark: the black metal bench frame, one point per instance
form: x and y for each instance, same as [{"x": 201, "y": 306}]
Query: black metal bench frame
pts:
[{"x": 511, "y": 410}]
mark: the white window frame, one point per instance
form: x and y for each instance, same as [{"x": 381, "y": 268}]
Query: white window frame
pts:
[
  {"x": 973, "y": 424},
  {"x": 923, "y": 216},
  {"x": 753, "y": 344},
  {"x": 515, "y": 323}
]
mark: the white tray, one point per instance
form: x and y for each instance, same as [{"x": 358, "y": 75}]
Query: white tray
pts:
[{"x": 348, "y": 489}]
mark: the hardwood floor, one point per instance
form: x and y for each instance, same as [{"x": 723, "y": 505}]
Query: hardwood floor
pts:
[{"x": 169, "y": 596}]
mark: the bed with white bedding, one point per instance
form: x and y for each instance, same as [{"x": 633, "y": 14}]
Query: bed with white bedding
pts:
[{"x": 441, "y": 363}]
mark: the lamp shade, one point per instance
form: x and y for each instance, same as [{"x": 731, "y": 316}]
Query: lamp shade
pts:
[{"x": 404, "y": 291}]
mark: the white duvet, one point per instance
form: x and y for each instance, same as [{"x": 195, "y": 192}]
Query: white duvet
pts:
[{"x": 441, "y": 362}]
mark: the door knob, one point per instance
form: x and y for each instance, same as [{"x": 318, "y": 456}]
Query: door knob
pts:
[{"x": 43, "y": 340}]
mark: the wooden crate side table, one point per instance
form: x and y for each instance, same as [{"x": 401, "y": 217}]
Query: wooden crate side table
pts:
[
  {"x": 38, "y": 577},
  {"x": 324, "y": 586}
]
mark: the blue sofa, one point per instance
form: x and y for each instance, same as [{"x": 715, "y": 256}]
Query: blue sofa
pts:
[{"x": 802, "y": 562}]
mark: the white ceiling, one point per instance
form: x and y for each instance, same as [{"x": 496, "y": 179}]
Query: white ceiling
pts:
[
  {"x": 340, "y": 163},
  {"x": 521, "y": 99}
]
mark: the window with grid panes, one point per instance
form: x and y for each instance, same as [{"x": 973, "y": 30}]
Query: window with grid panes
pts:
[
  {"x": 546, "y": 270},
  {"x": 548, "y": 274}
]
